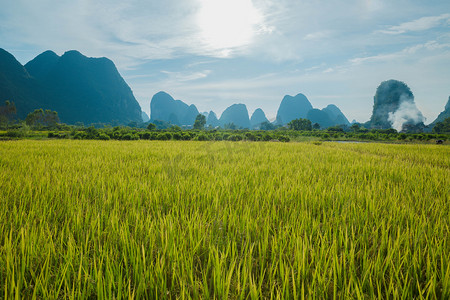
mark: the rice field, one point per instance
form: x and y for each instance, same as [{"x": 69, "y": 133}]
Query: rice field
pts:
[{"x": 223, "y": 220}]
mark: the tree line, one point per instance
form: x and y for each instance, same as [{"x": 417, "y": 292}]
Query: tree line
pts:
[{"x": 48, "y": 122}]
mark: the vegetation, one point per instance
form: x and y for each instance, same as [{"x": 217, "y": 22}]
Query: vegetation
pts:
[
  {"x": 7, "y": 113},
  {"x": 300, "y": 124},
  {"x": 40, "y": 118},
  {"x": 199, "y": 122},
  {"x": 442, "y": 127},
  {"x": 336, "y": 133},
  {"x": 94, "y": 219}
]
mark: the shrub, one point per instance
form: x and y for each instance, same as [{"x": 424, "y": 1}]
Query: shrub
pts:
[
  {"x": 176, "y": 136},
  {"x": 267, "y": 137},
  {"x": 57, "y": 135},
  {"x": 235, "y": 137},
  {"x": 186, "y": 136},
  {"x": 79, "y": 135},
  {"x": 250, "y": 136},
  {"x": 202, "y": 137},
  {"x": 103, "y": 136},
  {"x": 402, "y": 136},
  {"x": 164, "y": 136},
  {"x": 129, "y": 137},
  {"x": 284, "y": 139},
  {"x": 145, "y": 135}
]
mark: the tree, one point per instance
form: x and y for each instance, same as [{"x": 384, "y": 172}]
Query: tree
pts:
[
  {"x": 316, "y": 126},
  {"x": 442, "y": 127},
  {"x": 40, "y": 118},
  {"x": 7, "y": 112},
  {"x": 300, "y": 124},
  {"x": 266, "y": 126},
  {"x": 355, "y": 127},
  {"x": 200, "y": 122},
  {"x": 151, "y": 126}
]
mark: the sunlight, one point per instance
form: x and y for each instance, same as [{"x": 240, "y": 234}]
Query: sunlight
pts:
[{"x": 227, "y": 24}]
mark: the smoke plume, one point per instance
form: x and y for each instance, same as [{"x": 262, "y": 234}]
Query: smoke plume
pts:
[{"x": 407, "y": 113}]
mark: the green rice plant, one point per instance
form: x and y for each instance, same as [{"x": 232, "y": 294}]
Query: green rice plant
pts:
[{"x": 181, "y": 219}]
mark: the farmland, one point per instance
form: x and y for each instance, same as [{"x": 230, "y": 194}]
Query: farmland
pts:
[{"x": 186, "y": 219}]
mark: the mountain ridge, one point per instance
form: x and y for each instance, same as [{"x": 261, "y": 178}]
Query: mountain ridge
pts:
[{"x": 79, "y": 88}]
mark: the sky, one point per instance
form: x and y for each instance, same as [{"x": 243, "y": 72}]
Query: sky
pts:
[{"x": 213, "y": 53}]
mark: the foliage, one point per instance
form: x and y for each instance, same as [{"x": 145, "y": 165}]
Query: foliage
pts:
[
  {"x": 442, "y": 127},
  {"x": 202, "y": 137},
  {"x": 7, "y": 113},
  {"x": 176, "y": 133},
  {"x": 151, "y": 126},
  {"x": 161, "y": 124},
  {"x": 235, "y": 137},
  {"x": 199, "y": 122},
  {"x": 23, "y": 130},
  {"x": 40, "y": 118},
  {"x": 267, "y": 126},
  {"x": 300, "y": 124}
]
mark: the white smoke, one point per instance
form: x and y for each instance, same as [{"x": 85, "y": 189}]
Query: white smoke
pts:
[{"x": 407, "y": 112}]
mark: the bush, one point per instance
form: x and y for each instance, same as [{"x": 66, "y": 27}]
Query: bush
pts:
[
  {"x": 20, "y": 131},
  {"x": 250, "y": 136},
  {"x": 186, "y": 136},
  {"x": 402, "y": 136},
  {"x": 202, "y": 137},
  {"x": 129, "y": 137},
  {"x": 235, "y": 138},
  {"x": 103, "y": 136},
  {"x": 164, "y": 136},
  {"x": 79, "y": 135},
  {"x": 176, "y": 136},
  {"x": 284, "y": 139},
  {"x": 15, "y": 133},
  {"x": 266, "y": 137},
  {"x": 145, "y": 135},
  {"x": 57, "y": 135}
]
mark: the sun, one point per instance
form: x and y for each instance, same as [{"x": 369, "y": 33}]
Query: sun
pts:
[{"x": 227, "y": 24}]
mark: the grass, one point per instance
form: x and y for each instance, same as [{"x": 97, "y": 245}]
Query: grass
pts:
[{"x": 94, "y": 219}]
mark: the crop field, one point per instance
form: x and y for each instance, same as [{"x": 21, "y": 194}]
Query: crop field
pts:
[{"x": 224, "y": 220}]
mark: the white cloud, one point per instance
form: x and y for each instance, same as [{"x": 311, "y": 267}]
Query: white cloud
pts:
[
  {"x": 186, "y": 76},
  {"x": 403, "y": 54},
  {"x": 420, "y": 24},
  {"x": 320, "y": 35}
]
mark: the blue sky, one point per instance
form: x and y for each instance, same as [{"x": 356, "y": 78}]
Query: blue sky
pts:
[{"x": 214, "y": 53}]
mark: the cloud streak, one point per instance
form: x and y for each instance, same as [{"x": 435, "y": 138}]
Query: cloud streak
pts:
[{"x": 421, "y": 24}]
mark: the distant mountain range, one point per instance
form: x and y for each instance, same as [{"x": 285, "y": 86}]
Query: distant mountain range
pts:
[
  {"x": 80, "y": 89},
  {"x": 164, "y": 108},
  {"x": 91, "y": 90}
]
